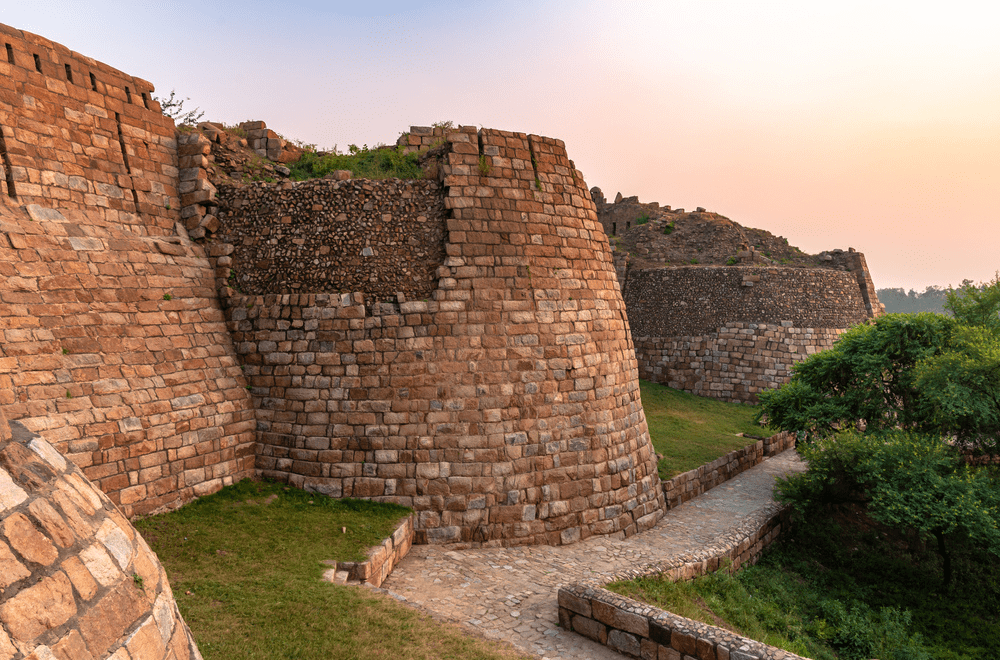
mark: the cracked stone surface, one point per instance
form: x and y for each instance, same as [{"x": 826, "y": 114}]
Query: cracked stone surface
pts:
[{"x": 510, "y": 593}]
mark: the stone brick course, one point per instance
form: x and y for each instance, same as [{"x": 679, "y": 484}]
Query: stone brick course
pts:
[
  {"x": 92, "y": 589},
  {"x": 114, "y": 345},
  {"x": 80, "y": 134},
  {"x": 505, "y": 408}
]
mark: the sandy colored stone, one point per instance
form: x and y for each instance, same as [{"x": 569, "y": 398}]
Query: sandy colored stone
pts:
[
  {"x": 52, "y": 522},
  {"x": 74, "y": 517},
  {"x": 11, "y": 494},
  {"x": 146, "y": 641},
  {"x": 11, "y": 570},
  {"x": 117, "y": 543},
  {"x": 41, "y": 607},
  {"x": 72, "y": 647},
  {"x": 28, "y": 541},
  {"x": 7, "y": 648},
  {"x": 110, "y": 617},
  {"x": 80, "y": 577},
  {"x": 41, "y": 653},
  {"x": 100, "y": 565}
]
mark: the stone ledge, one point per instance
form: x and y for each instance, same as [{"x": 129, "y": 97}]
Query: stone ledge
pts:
[
  {"x": 642, "y": 631},
  {"x": 692, "y": 483},
  {"x": 381, "y": 559}
]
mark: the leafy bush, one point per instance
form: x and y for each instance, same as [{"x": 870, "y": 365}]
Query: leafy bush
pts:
[{"x": 642, "y": 219}]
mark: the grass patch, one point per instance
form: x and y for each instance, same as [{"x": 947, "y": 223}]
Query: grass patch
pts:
[
  {"x": 690, "y": 430},
  {"x": 364, "y": 163},
  {"x": 843, "y": 587},
  {"x": 244, "y": 565}
]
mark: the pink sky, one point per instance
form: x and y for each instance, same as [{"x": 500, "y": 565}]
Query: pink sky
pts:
[{"x": 837, "y": 125}]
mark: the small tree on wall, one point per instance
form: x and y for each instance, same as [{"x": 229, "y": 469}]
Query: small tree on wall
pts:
[{"x": 173, "y": 106}]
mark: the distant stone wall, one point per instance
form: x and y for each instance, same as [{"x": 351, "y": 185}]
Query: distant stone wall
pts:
[
  {"x": 733, "y": 332},
  {"x": 80, "y": 134},
  {"x": 693, "y": 300},
  {"x": 735, "y": 363},
  {"x": 323, "y": 236}
]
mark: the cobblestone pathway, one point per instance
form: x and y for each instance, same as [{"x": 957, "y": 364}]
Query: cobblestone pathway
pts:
[{"x": 510, "y": 593}]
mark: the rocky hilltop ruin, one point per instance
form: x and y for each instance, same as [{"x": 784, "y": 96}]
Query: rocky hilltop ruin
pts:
[{"x": 722, "y": 310}]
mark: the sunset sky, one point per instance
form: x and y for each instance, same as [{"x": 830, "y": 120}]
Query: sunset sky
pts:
[{"x": 831, "y": 124}]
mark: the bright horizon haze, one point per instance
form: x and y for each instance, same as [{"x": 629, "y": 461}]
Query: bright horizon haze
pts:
[{"x": 834, "y": 125}]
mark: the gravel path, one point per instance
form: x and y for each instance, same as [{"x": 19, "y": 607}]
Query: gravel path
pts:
[{"x": 510, "y": 593}]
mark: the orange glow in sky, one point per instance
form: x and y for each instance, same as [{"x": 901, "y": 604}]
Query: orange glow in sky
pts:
[{"x": 835, "y": 125}]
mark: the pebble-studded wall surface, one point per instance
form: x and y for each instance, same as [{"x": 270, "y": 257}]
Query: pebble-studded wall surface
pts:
[
  {"x": 324, "y": 236},
  {"x": 692, "y": 300}
]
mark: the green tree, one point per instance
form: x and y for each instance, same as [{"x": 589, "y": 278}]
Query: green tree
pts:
[
  {"x": 868, "y": 377},
  {"x": 920, "y": 372},
  {"x": 905, "y": 481}
]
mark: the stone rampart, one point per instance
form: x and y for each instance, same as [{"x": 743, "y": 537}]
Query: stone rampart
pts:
[
  {"x": 79, "y": 134},
  {"x": 113, "y": 345},
  {"x": 505, "y": 408},
  {"x": 76, "y": 579},
  {"x": 381, "y": 238},
  {"x": 733, "y": 332}
]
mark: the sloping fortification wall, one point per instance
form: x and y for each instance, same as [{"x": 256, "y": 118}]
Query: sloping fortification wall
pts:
[
  {"x": 732, "y": 332},
  {"x": 113, "y": 345},
  {"x": 76, "y": 579},
  {"x": 505, "y": 408},
  {"x": 79, "y": 134}
]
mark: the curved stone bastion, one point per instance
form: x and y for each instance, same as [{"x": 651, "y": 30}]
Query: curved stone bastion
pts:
[
  {"x": 76, "y": 579},
  {"x": 502, "y": 403}
]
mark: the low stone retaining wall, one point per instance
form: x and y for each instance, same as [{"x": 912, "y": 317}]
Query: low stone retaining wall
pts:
[
  {"x": 642, "y": 631},
  {"x": 381, "y": 559},
  {"x": 692, "y": 483}
]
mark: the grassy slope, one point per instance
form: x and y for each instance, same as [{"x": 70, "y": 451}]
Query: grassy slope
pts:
[
  {"x": 245, "y": 569},
  {"x": 690, "y": 431}
]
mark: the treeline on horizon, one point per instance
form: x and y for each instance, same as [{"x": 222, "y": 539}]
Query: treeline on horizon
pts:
[{"x": 932, "y": 299}]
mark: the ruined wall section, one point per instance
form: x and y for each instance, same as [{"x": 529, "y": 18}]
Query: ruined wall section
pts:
[
  {"x": 77, "y": 581},
  {"x": 79, "y": 134},
  {"x": 505, "y": 409},
  {"x": 733, "y": 332},
  {"x": 691, "y": 300},
  {"x": 114, "y": 347},
  {"x": 383, "y": 238}
]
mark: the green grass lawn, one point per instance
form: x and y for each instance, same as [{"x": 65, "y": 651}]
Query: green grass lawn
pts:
[
  {"x": 690, "y": 430},
  {"x": 245, "y": 566},
  {"x": 846, "y": 588}
]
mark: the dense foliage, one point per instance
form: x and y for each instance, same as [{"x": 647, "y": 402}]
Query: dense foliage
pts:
[
  {"x": 900, "y": 301},
  {"x": 921, "y": 372},
  {"x": 905, "y": 481}
]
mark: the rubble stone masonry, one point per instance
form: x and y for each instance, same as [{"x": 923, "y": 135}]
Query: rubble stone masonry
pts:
[
  {"x": 732, "y": 332},
  {"x": 505, "y": 408}
]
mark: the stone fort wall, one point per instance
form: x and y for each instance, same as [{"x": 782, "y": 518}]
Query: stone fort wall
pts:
[
  {"x": 505, "y": 407},
  {"x": 731, "y": 332},
  {"x": 113, "y": 343}
]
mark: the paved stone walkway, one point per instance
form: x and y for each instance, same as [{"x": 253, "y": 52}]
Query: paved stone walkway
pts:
[{"x": 510, "y": 593}]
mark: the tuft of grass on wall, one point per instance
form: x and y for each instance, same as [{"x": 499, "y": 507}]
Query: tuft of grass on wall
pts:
[{"x": 363, "y": 163}]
